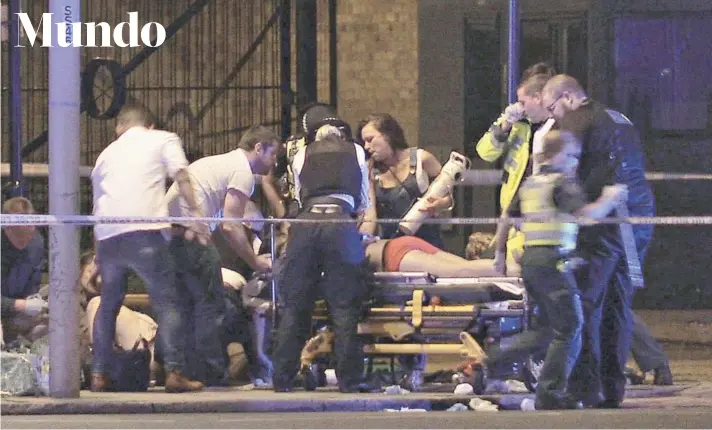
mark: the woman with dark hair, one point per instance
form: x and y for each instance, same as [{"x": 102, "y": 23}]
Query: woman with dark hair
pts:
[{"x": 400, "y": 176}]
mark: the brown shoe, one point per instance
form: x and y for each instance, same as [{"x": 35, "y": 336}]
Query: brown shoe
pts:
[
  {"x": 100, "y": 382},
  {"x": 177, "y": 383}
]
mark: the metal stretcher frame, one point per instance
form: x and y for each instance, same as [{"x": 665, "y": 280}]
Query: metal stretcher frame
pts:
[{"x": 400, "y": 307}]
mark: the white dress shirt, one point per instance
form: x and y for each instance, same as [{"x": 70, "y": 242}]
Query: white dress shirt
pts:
[{"x": 538, "y": 142}]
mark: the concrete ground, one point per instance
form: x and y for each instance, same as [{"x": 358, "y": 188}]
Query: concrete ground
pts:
[
  {"x": 624, "y": 418},
  {"x": 689, "y": 347},
  {"x": 323, "y": 400}
]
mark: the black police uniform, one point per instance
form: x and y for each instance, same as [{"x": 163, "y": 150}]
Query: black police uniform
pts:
[
  {"x": 315, "y": 116},
  {"x": 612, "y": 154},
  {"x": 330, "y": 167}
]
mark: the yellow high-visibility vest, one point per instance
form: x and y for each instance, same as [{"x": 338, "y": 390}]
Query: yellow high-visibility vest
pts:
[{"x": 544, "y": 224}]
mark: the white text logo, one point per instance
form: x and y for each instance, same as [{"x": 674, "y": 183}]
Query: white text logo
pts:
[{"x": 74, "y": 36}]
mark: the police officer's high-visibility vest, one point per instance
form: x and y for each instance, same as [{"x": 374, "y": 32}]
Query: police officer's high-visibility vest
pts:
[
  {"x": 294, "y": 144},
  {"x": 544, "y": 224},
  {"x": 516, "y": 157}
]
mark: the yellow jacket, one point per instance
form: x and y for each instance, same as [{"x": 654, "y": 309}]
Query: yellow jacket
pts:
[
  {"x": 294, "y": 144},
  {"x": 516, "y": 145},
  {"x": 516, "y": 159}
]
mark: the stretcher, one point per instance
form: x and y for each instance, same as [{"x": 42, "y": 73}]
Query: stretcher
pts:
[{"x": 414, "y": 313}]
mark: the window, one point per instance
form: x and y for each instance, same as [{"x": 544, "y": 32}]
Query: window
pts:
[{"x": 663, "y": 71}]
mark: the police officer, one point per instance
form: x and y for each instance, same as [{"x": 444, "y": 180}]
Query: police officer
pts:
[
  {"x": 324, "y": 259},
  {"x": 546, "y": 201},
  {"x": 314, "y": 116},
  {"x": 612, "y": 153},
  {"x": 512, "y": 139}
]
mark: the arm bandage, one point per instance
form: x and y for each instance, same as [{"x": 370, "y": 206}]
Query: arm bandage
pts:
[{"x": 449, "y": 174}]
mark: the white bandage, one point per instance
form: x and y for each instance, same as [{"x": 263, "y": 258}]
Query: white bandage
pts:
[
  {"x": 450, "y": 173},
  {"x": 513, "y": 113}
]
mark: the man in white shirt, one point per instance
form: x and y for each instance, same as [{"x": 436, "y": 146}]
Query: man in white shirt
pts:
[
  {"x": 220, "y": 182},
  {"x": 129, "y": 180},
  {"x": 331, "y": 183}
]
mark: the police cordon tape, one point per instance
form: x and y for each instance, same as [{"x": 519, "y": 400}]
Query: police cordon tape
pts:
[
  {"x": 88, "y": 220},
  {"x": 469, "y": 177},
  {"x": 494, "y": 177}
]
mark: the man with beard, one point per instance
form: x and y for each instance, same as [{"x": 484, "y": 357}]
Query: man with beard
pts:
[{"x": 612, "y": 153}]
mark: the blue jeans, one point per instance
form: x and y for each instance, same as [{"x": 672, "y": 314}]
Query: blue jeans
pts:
[
  {"x": 199, "y": 279},
  {"x": 147, "y": 254}
]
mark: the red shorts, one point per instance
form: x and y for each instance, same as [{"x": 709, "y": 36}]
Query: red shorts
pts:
[{"x": 397, "y": 248}]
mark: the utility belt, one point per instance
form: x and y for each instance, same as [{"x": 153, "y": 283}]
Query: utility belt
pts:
[
  {"x": 560, "y": 250},
  {"x": 327, "y": 205},
  {"x": 568, "y": 261}
]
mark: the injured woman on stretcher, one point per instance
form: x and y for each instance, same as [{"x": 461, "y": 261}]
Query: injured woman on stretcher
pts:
[{"x": 412, "y": 254}]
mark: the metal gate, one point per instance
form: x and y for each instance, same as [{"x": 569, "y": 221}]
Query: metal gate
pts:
[{"x": 225, "y": 65}]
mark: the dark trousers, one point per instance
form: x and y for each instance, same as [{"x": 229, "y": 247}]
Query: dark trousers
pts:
[
  {"x": 147, "y": 254},
  {"x": 559, "y": 303},
  {"x": 606, "y": 295},
  {"x": 335, "y": 250},
  {"x": 533, "y": 341},
  {"x": 646, "y": 350},
  {"x": 200, "y": 280}
]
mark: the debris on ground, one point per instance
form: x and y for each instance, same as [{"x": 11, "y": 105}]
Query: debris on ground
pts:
[
  {"x": 395, "y": 389},
  {"x": 457, "y": 407},
  {"x": 405, "y": 409},
  {"x": 464, "y": 390},
  {"x": 481, "y": 405},
  {"x": 527, "y": 405}
]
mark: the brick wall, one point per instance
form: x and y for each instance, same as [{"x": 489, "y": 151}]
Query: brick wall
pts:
[{"x": 378, "y": 61}]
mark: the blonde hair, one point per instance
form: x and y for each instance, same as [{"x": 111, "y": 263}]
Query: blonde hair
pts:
[
  {"x": 18, "y": 205},
  {"x": 477, "y": 243},
  {"x": 553, "y": 143},
  {"x": 328, "y": 130}
]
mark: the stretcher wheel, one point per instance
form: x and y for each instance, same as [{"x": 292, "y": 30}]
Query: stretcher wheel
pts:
[
  {"x": 531, "y": 370},
  {"x": 310, "y": 377}
]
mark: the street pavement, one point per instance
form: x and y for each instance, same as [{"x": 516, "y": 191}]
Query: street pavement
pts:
[
  {"x": 688, "y": 404},
  {"x": 697, "y": 417},
  {"x": 226, "y": 400}
]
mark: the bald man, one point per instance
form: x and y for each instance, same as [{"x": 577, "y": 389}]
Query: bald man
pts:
[{"x": 612, "y": 153}]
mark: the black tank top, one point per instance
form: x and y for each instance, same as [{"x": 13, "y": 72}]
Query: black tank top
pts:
[{"x": 395, "y": 202}]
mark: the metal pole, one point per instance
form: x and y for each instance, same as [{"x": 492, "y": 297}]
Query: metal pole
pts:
[
  {"x": 64, "y": 116},
  {"x": 306, "y": 48},
  {"x": 513, "y": 51},
  {"x": 273, "y": 253},
  {"x": 15, "y": 99},
  {"x": 285, "y": 36},
  {"x": 333, "y": 55}
]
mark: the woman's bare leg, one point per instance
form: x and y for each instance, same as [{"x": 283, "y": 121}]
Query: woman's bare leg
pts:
[{"x": 445, "y": 264}]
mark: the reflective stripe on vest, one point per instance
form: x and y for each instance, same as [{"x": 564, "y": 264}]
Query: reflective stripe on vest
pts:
[
  {"x": 545, "y": 225},
  {"x": 515, "y": 162}
]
